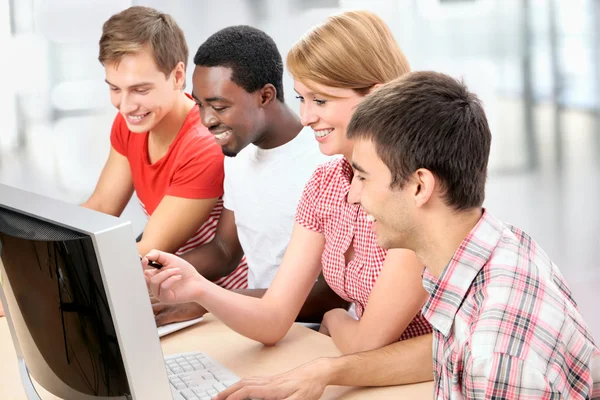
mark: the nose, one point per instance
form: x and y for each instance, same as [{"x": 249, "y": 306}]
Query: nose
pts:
[
  {"x": 126, "y": 104},
  {"x": 208, "y": 119},
  {"x": 354, "y": 193},
  {"x": 307, "y": 114}
]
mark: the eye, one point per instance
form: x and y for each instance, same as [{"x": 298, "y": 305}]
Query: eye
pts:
[
  {"x": 320, "y": 102},
  {"x": 142, "y": 91},
  {"x": 219, "y": 109},
  {"x": 114, "y": 89},
  {"x": 359, "y": 178},
  {"x": 300, "y": 98}
]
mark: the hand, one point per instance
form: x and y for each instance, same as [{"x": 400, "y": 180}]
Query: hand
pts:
[
  {"x": 305, "y": 382},
  {"x": 169, "y": 313},
  {"x": 176, "y": 282}
]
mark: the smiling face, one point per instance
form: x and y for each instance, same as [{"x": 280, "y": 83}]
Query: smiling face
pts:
[
  {"x": 327, "y": 110},
  {"x": 140, "y": 91},
  {"x": 232, "y": 115},
  {"x": 390, "y": 209}
]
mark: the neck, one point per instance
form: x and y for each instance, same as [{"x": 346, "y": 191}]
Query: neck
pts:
[
  {"x": 283, "y": 126},
  {"x": 167, "y": 129},
  {"x": 444, "y": 234}
]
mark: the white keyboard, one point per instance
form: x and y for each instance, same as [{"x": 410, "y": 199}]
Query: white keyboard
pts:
[{"x": 196, "y": 376}]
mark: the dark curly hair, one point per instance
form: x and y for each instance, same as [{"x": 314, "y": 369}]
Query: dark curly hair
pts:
[{"x": 249, "y": 52}]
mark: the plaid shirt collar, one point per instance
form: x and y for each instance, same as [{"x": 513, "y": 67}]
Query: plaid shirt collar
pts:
[{"x": 447, "y": 292}]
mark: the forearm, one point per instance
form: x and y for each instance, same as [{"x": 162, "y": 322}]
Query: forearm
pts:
[
  {"x": 343, "y": 330},
  {"x": 246, "y": 314},
  {"x": 400, "y": 363},
  {"x": 212, "y": 261}
]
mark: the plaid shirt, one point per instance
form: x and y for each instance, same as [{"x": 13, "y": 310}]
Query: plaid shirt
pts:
[
  {"x": 505, "y": 324},
  {"x": 324, "y": 208}
]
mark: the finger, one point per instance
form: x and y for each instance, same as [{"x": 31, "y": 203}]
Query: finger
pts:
[
  {"x": 150, "y": 272},
  {"x": 238, "y": 386},
  {"x": 298, "y": 396},
  {"x": 158, "y": 307},
  {"x": 169, "y": 282},
  {"x": 159, "y": 278},
  {"x": 166, "y": 259},
  {"x": 161, "y": 275},
  {"x": 163, "y": 319},
  {"x": 248, "y": 392},
  {"x": 144, "y": 262}
]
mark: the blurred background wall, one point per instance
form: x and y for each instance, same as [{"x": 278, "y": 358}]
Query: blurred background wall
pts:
[{"x": 534, "y": 63}]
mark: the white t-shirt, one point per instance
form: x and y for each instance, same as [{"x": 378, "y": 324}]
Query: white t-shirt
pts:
[{"x": 262, "y": 188}]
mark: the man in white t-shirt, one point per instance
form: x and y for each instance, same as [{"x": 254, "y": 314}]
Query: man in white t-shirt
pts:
[{"x": 238, "y": 86}]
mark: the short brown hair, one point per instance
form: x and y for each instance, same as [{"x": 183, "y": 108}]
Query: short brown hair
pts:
[
  {"x": 429, "y": 120},
  {"x": 353, "y": 50},
  {"x": 138, "y": 28}
]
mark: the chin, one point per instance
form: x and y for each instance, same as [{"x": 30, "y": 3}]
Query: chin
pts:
[{"x": 328, "y": 150}]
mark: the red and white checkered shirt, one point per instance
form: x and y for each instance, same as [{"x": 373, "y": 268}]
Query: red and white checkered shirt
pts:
[
  {"x": 324, "y": 208},
  {"x": 505, "y": 324}
]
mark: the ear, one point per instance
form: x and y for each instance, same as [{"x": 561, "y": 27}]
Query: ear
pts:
[
  {"x": 375, "y": 87},
  {"x": 268, "y": 94},
  {"x": 424, "y": 185},
  {"x": 179, "y": 76}
]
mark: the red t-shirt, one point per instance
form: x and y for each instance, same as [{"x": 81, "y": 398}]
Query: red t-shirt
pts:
[{"x": 192, "y": 169}]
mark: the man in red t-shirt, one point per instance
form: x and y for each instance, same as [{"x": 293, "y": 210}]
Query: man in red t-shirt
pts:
[{"x": 159, "y": 147}]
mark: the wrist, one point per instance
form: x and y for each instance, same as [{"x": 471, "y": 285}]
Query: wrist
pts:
[
  {"x": 325, "y": 370},
  {"x": 200, "y": 287}
]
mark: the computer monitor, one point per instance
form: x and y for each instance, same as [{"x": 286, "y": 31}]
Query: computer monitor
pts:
[{"x": 76, "y": 301}]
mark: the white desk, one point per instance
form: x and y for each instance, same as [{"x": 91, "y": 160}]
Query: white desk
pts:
[{"x": 243, "y": 356}]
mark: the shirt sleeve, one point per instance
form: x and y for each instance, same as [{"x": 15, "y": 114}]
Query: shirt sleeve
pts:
[
  {"x": 501, "y": 376},
  {"x": 199, "y": 174},
  {"x": 119, "y": 135},
  {"x": 307, "y": 211}
]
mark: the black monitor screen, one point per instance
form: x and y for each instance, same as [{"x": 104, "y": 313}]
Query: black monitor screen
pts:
[{"x": 55, "y": 278}]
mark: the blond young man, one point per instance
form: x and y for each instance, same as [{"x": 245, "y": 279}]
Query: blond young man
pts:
[{"x": 159, "y": 147}]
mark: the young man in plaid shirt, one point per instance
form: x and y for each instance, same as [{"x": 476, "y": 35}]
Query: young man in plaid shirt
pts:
[{"x": 505, "y": 324}]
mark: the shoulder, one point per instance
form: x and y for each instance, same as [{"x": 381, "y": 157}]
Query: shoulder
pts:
[
  {"x": 197, "y": 141},
  {"x": 331, "y": 172}
]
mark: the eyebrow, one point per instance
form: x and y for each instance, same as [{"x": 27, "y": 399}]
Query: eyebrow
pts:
[
  {"x": 359, "y": 168},
  {"x": 133, "y": 86},
  {"x": 217, "y": 98}
]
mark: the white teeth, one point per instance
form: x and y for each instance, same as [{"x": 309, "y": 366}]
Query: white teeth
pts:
[
  {"x": 371, "y": 218},
  {"x": 136, "y": 118},
  {"x": 223, "y": 135},
  {"x": 323, "y": 133}
]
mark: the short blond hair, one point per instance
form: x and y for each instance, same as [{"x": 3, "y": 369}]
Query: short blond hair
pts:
[
  {"x": 353, "y": 50},
  {"x": 138, "y": 28}
]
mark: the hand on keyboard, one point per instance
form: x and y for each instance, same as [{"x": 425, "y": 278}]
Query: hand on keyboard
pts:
[
  {"x": 169, "y": 313},
  {"x": 307, "y": 382}
]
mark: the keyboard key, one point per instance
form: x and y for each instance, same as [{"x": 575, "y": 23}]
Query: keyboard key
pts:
[
  {"x": 187, "y": 393},
  {"x": 219, "y": 386}
]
